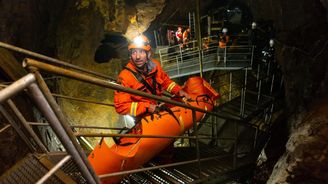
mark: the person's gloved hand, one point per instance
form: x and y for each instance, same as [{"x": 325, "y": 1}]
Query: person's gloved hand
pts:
[
  {"x": 182, "y": 93},
  {"x": 152, "y": 108},
  {"x": 155, "y": 108}
]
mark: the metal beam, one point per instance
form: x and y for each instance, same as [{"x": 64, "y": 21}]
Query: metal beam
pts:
[
  {"x": 16, "y": 87},
  {"x": 107, "y": 84}
]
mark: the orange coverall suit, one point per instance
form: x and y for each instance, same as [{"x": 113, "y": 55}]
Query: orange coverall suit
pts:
[
  {"x": 223, "y": 41},
  {"x": 134, "y": 105}
]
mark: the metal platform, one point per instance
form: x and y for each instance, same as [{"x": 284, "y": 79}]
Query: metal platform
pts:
[
  {"x": 247, "y": 109},
  {"x": 179, "y": 62},
  {"x": 214, "y": 163}
]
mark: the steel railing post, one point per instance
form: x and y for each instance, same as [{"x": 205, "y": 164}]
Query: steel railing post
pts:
[
  {"x": 63, "y": 121},
  {"x": 252, "y": 56},
  {"x": 8, "y": 117},
  {"x": 197, "y": 142},
  {"x": 26, "y": 125},
  {"x": 259, "y": 92},
  {"x": 54, "y": 122},
  {"x": 230, "y": 85},
  {"x": 235, "y": 150},
  {"x": 272, "y": 82},
  {"x": 258, "y": 75},
  {"x": 246, "y": 73},
  {"x": 241, "y": 102},
  {"x": 225, "y": 57}
]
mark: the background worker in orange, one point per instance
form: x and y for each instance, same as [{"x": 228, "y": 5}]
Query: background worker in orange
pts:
[
  {"x": 223, "y": 39},
  {"x": 141, "y": 65},
  {"x": 186, "y": 37}
]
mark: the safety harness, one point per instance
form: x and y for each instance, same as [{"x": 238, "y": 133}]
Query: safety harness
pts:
[
  {"x": 141, "y": 79},
  {"x": 138, "y": 76}
]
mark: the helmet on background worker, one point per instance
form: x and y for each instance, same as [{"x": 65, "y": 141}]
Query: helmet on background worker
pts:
[
  {"x": 271, "y": 42},
  {"x": 254, "y": 25},
  {"x": 224, "y": 30}
]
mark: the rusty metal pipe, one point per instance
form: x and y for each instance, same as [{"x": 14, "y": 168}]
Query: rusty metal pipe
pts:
[
  {"x": 26, "y": 126},
  {"x": 16, "y": 87},
  {"x": 76, "y": 126},
  {"x": 161, "y": 166},
  {"x": 54, "y": 169},
  {"x": 49, "y": 114},
  {"x": 81, "y": 100},
  {"x": 86, "y": 78},
  {"x": 77, "y": 134},
  {"x": 63, "y": 122},
  {"x": 10, "y": 119},
  {"x": 5, "y": 128},
  {"x": 197, "y": 143},
  {"x": 53, "y": 60}
]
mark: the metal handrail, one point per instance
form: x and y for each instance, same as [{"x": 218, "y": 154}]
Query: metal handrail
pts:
[
  {"x": 82, "y": 100},
  {"x": 178, "y": 60},
  {"x": 107, "y": 84},
  {"x": 54, "y": 61},
  {"x": 29, "y": 82}
]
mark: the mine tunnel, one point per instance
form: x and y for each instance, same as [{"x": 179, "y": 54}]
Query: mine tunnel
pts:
[{"x": 243, "y": 98}]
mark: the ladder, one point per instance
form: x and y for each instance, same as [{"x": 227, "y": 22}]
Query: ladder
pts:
[{"x": 192, "y": 25}]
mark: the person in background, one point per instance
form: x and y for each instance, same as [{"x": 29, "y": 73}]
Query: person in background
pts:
[
  {"x": 253, "y": 34},
  {"x": 186, "y": 37},
  {"x": 223, "y": 41},
  {"x": 170, "y": 37},
  {"x": 178, "y": 35},
  {"x": 144, "y": 74}
]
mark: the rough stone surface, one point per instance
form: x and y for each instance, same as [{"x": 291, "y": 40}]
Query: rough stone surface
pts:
[
  {"x": 85, "y": 24},
  {"x": 301, "y": 50},
  {"x": 306, "y": 157},
  {"x": 146, "y": 13}
]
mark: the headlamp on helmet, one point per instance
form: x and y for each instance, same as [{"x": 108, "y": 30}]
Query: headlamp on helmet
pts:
[{"x": 140, "y": 42}]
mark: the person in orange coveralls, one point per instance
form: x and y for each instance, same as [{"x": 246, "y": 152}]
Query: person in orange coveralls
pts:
[{"x": 144, "y": 74}]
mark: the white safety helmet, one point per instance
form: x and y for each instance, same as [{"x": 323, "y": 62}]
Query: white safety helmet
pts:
[
  {"x": 271, "y": 42},
  {"x": 224, "y": 30},
  {"x": 254, "y": 25}
]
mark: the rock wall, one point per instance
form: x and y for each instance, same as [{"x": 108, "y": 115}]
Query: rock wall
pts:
[
  {"x": 301, "y": 50},
  {"x": 306, "y": 156},
  {"x": 83, "y": 28},
  {"x": 71, "y": 31},
  {"x": 301, "y": 45}
]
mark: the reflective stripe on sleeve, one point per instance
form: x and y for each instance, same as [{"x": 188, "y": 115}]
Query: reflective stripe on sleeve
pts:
[
  {"x": 171, "y": 86},
  {"x": 133, "y": 110}
]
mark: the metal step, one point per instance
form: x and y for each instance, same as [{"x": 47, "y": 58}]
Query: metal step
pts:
[
  {"x": 189, "y": 173},
  {"x": 32, "y": 168}
]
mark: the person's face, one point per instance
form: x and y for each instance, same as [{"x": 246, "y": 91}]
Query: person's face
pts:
[{"x": 139, "y": 57}]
